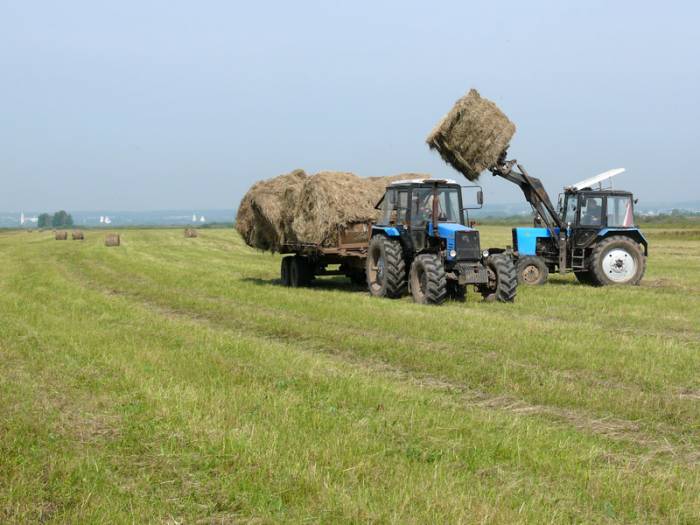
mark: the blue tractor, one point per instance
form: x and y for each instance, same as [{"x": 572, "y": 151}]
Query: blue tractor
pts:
[
  {"x": 591, "y": 233},
  {"x": 422, "y": 242}
]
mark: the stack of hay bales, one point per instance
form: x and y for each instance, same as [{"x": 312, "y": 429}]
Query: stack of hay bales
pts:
[
  {"x": 190, "y": 233},
  {"x": 61, "y": 236},
  {"x": 78, "y": 236},
  {"x": 297, "y": 208},
  {"x": 473, "y": 136},
  {"x": 112, "y": 239}
]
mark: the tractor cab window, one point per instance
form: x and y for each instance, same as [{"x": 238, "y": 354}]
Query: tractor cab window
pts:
[
  {"x": 422, "y": 205},
  {"x": 569, "y": 212},
  {"x": 591, "y": 211},
  {"x": 394, "y": 207},
  {"x": 620, "y": 212}
]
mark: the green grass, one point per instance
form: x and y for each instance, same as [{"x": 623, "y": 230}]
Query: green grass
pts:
[{"x": 173, "y": 380}]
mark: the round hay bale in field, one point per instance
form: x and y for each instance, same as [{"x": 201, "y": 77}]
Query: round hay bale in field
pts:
[
  {"x": 190, "y": 233},
  {"x": 61, "y": 236},
  {"x": 300, "y": 209},
  {"x": 113, "y": 239},
  {"x": 78, "y": 235},
  {"x": 473, "y": 136}
]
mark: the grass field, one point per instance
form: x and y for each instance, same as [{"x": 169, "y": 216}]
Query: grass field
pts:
[{"x": 172, "y": 380}]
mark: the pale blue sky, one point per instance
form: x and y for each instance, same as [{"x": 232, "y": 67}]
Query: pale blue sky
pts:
[{"x": 164, "y": 104}]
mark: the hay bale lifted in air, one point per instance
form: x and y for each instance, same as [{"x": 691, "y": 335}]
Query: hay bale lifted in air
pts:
[
  {"x": 190, "y": 233},
  {"x": 297, "y": 208},
  {"x": 112, "y": 239},
  {"x": 472, "y": 136},
  {"x": 78, "y": 235},
  {"x": 61, "y": 236}
]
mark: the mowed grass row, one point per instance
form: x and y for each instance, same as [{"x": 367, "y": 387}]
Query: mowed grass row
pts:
[{"x": 173, "y": 379}]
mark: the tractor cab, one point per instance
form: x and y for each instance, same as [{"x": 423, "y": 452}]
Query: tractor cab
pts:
[{"x": 410, "y": 209}]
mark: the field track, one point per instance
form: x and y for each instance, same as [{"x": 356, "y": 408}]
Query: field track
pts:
[{"x": 173, "y": 380}]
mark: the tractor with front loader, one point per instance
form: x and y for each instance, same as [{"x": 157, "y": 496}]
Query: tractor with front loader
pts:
[{"x": 591, "y": 232}]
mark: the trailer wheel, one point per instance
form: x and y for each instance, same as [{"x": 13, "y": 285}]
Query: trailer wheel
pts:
[
  {"x": 386, "y": 268},
  {"x": 300, "y": 271},
  {"x": 285, "y": 269},
  {"x": 503, "y": 282},
  {"x": 532, "y": 270},
  {"x": 428, "y": 279},
  {"x": 617, "y": 260}
]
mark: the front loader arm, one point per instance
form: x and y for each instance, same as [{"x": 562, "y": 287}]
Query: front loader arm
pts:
[{"x": 534, "y": 192}]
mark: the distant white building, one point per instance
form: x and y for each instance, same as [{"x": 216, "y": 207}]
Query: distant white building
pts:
[{"x": 202, "y": 219}]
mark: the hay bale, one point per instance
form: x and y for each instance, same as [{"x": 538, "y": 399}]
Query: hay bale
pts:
[
  {"x": 113, "y": 239},
  {"x": 472, "y": 136},
  {"x": 61, "y": 236},
  {"x": 190, "y": 233},
  {"x": 298, "y": 208},
  {"x": 259, "y": 219},
  {"x": 78, "y": 236}
]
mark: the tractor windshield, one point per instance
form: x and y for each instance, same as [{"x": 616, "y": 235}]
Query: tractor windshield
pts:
[{"x": 448, "y": 205}]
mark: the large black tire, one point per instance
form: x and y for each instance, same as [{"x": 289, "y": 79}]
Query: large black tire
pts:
[
  {"x": 617, "y": 260},
  {"x": 532, "y": 270},
  {"x": 503, "y": 281},
  {"x": 300, "y": 272},
  {"x": 285, "y": 270},
  {"x": 428, "y": 279},
  {"x": 386, "y": 268}
]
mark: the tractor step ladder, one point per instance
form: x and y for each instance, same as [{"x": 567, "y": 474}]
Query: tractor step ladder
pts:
[{"x": 578, "y": 259}]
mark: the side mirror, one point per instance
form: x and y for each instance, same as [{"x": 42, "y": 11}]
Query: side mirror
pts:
[
  {"x": 480, "y": 198},
  {"x": 636, "y": 201}
]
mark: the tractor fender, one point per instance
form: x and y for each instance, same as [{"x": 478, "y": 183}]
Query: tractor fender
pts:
[
  {"x": 633, "y": 233},
  {"x": 388, "y": 231}
]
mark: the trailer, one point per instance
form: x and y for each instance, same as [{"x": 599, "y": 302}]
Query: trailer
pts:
[{"x": 304, "y": 261}]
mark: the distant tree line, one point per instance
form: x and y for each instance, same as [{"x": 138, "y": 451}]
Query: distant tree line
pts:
[{"x": 60, "y": 219}]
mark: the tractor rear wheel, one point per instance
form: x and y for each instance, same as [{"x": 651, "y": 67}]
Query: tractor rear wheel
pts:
[
  {"x": 617, "y": 260},
  {"x": 503, "y": 282},
  {"x": 386, "y": 268},
  {"x": 285, "y": 270},
  {"x": 532, "y": 270},
  {"x": 428, "y": 279},
  {"x": 300, "y": 271}
]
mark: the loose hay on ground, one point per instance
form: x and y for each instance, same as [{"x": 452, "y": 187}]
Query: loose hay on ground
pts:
[{"x": 472, "y": 136}]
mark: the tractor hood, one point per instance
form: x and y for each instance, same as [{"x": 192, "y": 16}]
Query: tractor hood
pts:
[{"x": 447, "y": 230}]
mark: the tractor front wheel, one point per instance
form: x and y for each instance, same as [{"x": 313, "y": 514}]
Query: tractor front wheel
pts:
[
  {"x": 617, "y": 260},
  {"x": 428, "y": 280},
  {"x": 532, "y": 270},
  {"x": 503, "y": 282},
  {"x": 386, "y": 268}
]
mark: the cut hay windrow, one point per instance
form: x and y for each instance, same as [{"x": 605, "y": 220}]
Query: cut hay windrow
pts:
[
  {"x": 472, "y": 136},
  {"x": 297, "y": 208}
]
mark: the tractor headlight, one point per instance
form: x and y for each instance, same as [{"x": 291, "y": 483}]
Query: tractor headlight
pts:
[
  {"x": 453, "y": 253},
  {"x": 485, "y": 253}
]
